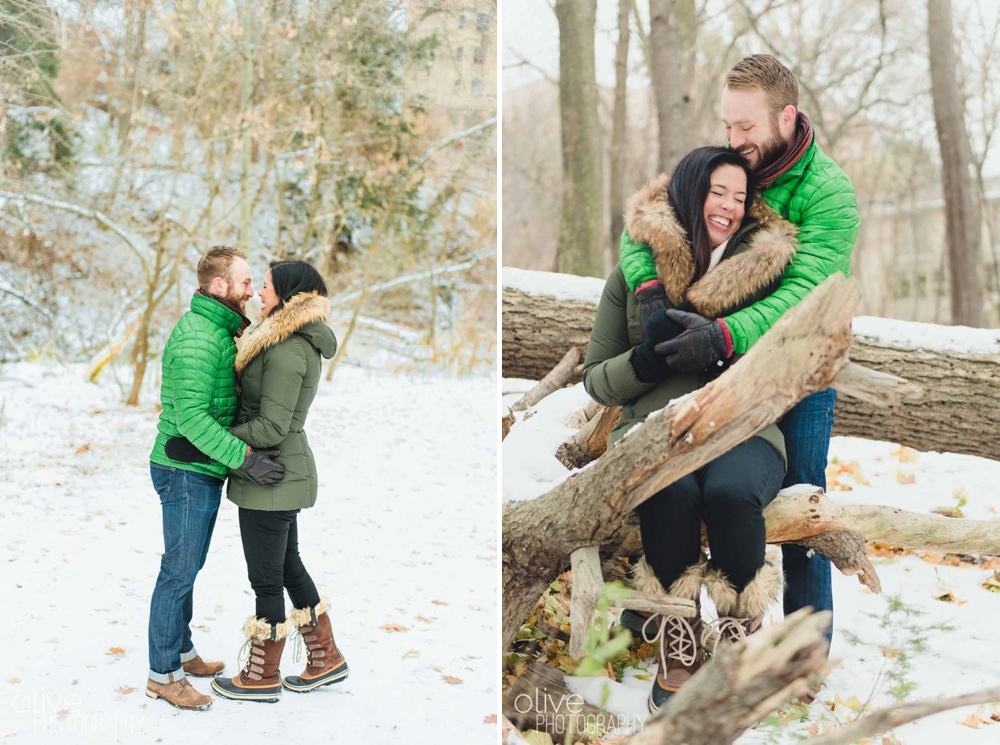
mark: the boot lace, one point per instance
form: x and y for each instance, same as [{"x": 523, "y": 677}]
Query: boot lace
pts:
[
  {"x": 724, "y": 628},
  {"x": 676, "y": 637}
]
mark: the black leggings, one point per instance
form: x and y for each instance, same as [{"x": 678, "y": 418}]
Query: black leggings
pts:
[
  {"x": 271, "y": 548},
  {"x": 729, "y": 494}
]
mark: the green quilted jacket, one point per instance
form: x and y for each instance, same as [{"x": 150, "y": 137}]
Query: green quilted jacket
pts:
[
  {"x": 198, "y": 394},
  {"x": 818, "y": 197}
]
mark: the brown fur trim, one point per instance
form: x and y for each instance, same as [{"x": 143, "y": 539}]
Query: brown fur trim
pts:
[
  {"x": 260, "y": 630},
  {"x": 300, "y": 310},
  {"x": 761, "y": 592},
  {"x": 742, "y": 276},
  {"x": 644, "y": 580},
  {"x": 650, "y": 219},
  {"x": 723, "y": 594},
  {"x": 301, "y": 616},
  {"x": 688, "y": 585}
]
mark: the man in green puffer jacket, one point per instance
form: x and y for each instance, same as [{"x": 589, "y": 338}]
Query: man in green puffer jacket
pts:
[
  {"x": 199, "y": 398},
  {"x": 806, "y": 187}
]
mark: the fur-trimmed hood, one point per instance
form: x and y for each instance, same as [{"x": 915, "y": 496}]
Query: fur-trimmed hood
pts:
[
  {"x": 301, "y": 310},
  {"x": 651, "y": 220}
]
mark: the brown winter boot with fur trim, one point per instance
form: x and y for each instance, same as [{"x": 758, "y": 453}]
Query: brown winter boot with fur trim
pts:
[
  {"x": 325, "y": 664},
  {"x": 681, "y": 653},
  {"x": 742, "y": 614},
  {"x": 259, "y": 680}
]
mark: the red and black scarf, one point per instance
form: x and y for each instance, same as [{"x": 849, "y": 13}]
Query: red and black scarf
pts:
[{"x": 803, "y": 139}]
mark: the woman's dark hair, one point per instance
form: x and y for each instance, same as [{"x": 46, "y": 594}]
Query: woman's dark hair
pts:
[
  {"x": 688, "y": 191},
  {"x": 289, "y": 278}
]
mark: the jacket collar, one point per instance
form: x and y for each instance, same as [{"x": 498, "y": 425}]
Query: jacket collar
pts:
[
  {"x": 219, "y": 313},
  {"x": 300, "y": 310},
  {"x": 651, "y": 220}
]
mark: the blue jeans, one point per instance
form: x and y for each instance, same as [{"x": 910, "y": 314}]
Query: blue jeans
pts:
[
  {"x": 190, "y": 505},
  {"x": 807, "y": 440}
]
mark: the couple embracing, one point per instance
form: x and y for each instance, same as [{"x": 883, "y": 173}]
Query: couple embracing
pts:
[
  {"x": 710, "y": 258},
  {"x": 239, "y": 415}
]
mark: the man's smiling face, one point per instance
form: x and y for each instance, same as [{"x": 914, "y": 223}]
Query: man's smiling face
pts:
[{"x": 752, "y": 128}]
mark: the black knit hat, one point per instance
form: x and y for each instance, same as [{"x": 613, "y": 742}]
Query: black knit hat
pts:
[{"x": 289, "y": 278}]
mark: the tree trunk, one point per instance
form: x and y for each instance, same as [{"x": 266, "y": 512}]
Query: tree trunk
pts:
[
  {"x": 958, "y": 412},
  {"x": 619, "y": 125},
  {"x": 588, "y": 509},
  {"x": 962, "y": 218},
  {"x": 670, "y": 37},
  {"x": 581, "y": 246},
  {"x": 246, "y": 91}
]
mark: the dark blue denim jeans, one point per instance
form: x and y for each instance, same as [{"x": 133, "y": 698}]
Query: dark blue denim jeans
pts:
[
  {"x": 807, "y": 439},
  {"x": 190, "y": 505}
]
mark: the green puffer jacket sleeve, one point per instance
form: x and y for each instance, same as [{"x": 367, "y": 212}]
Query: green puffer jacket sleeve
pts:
[
  {"x": 827, "y": 233},
  {"x": 284, "y": 370},
  {"x": 607, "y": 369},
  {"x": 636, "y": 262},
  {"x": 192, "y": 361}
]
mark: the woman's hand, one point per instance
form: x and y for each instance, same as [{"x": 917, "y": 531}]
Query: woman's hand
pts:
[{"x": 704, "y": 343}]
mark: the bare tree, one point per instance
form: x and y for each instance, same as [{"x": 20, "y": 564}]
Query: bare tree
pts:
[
  {"x": 671, "y": 39},
  {"x": 580, "y": 245},
  {"x": 618, "y": 130},
  {"x": 961, "y": 215}
]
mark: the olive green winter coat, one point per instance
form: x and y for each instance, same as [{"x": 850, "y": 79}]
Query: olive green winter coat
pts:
[
  {"x": 198, "y": 394},
  {"x": 279, "y": 369},
  {"x": 751, "y": 267},
  {"x": 818, "y": 198}
]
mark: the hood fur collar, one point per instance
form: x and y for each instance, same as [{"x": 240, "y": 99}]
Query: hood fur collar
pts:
[
  {"x": 651, "y": 220},
  {"x": 300, "y": 310}
]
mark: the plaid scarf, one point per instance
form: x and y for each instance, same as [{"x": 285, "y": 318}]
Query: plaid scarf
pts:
[
  {"x": 244, "y": 322},
  {"x": 804, "y": 138}
]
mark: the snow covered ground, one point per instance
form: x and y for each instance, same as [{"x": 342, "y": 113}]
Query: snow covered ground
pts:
[
  {"x": 932, "y": 633},
  {"x": 404, "y": 532}
]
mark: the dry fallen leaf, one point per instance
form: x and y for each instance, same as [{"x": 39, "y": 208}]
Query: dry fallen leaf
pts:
[
  {"x": 425, "y": 620},
  {"x": 972, "y": 721},
  {"x": 477, "y": 607},
  {"x": 411, "y": 653},
  {"x": 439, "y": 602},
  {"x": 13, "y": 680},
  {"x": 116, "y": 650},
  {"x": 392, "y": 627},
  {"x": 451, "y": 680},
  {"x": 905, "y": 478},
  {"x": 83, "y": 448},
  {"x": 124, "y": 689},
  {"x": 491, "y": 719},
  {"x": 905, "y": 454}
]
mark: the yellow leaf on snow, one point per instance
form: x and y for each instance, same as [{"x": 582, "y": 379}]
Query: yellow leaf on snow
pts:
[
  {"x": 905, "y": 478},
  {"x": 451, "y": 680},
  {"x": 411, "y": 653},
  {"x": 439, "y": 602},
  {"x": 972, "y": 721},
  {"x": 392, "y": 627},
  {"x": 425, "y": 620},
  {"x": 491, "y": 719},
  {"x": 116, "y": 650},
  {"x": 124, "y": 689},
  {"x": 905, "y": 454}
]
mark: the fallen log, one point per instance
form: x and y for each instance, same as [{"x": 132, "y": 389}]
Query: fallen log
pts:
[
  {"x": 555, "y": 379},
  {"x": 587, "y": 510},
  {"x": 959, "y": 412},
  {"x": 591, "y": 441}
]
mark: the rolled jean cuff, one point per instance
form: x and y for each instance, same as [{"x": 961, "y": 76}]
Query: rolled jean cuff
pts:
[
  {"x": 188, "y": 656},
  {"x": 167, "y": 677}
]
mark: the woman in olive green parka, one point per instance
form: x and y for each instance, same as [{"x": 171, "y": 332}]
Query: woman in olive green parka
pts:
[
  {"x": 279, "y": 369},
  {"x": 716, "y": 249}
]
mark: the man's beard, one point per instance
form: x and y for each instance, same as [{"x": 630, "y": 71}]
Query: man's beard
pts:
[{"x": 771, "y": 150}]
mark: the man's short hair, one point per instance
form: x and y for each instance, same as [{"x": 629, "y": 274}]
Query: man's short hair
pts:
[
  {"x": 764, "y": 72},
  {"x": 217, "y": 262}
]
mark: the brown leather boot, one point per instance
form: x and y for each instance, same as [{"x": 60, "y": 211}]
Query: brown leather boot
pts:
[
  {"x": 180, "y": 693},
  {"x": 325, "y": 664},
  {"x": 259, "y": 680},
  {"x": 742, "y": 613},
  {"x": 681, "y": 654},
  {"x": 198, "y": 668}
]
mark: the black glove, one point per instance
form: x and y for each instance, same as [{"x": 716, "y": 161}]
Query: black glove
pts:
[
  {"x": 651, "y": 299},
  {"x": 260, "y": 467},
  {"x": 701, "y": 345},
  {"x": 181, "y": 450}
]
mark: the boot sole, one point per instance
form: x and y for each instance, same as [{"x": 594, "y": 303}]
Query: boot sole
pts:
[
  {"x": 154, "y": 695},
  {"x": 264, "y": 698},
  {"x": 205, "y": 675},
  {"x": 318, "y": 683}
]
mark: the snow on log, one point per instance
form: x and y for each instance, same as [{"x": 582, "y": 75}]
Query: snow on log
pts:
[{"x": 957, "y": 367}]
